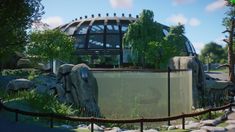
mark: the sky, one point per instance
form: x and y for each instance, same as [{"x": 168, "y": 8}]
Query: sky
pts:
[{"x": 202, "y": 18}]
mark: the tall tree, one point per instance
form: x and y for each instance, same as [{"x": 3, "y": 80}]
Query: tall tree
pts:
[
  {"x": 51, "y": 44},
  {"x": 229, "y": 23},
  {"x": 141, "y": 32},
  {"x": 214, "y": 52},
  {"x": 16, "y": 16}
]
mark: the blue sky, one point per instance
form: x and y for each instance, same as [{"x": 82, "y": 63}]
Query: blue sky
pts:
[{"x": 202, "y": 18}]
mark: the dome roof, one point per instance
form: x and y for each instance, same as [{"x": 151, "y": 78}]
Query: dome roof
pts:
[{"x": 103, "y": 35}]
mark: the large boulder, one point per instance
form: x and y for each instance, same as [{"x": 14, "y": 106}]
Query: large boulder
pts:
[
  {"x": 198, "y": 76},
  {"x": 19, "y": 84},
  {"x": 23, "y": 63},
  {"x": 80, "y": 87}
]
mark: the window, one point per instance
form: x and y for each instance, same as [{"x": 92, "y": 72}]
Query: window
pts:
[
  {"x": 83, "y": 28},
  {"x": 96, "y": 41},
  {"x": 80, "y": 42},
  {"x": 97, "y": 27},
  {"x": 113, "y": 41}
]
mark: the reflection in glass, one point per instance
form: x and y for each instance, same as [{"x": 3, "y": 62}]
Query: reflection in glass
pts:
[
  {"x": 96, "y": 41},
  {"x": 113, "y": 41}
]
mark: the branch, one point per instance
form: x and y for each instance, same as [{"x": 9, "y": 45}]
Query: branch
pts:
[
  {"x": 226, "y": 40},
  {"x": 226, "y": 31}
]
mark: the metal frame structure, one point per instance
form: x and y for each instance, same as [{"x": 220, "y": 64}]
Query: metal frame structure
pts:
[{"x": 103, "y": 35}]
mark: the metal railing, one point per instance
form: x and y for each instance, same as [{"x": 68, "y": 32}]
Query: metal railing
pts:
[{"x": 93, "y": 120}]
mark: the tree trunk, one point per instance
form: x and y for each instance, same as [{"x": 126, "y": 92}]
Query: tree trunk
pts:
[{"x": 230, "y": 53}]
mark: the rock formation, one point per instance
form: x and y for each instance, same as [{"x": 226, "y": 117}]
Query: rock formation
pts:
[
  {"x": 80, "y": 87},
  {"x": 198, "y": 76},
  {"x": 19, "y": 84}
]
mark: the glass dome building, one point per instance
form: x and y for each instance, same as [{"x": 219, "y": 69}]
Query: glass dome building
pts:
[{"x": 102, "y": 36}]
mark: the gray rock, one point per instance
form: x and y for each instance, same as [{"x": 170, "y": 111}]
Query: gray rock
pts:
[
  {"x": 193, "y": 63},
  {"x": 96, "y": 128},
  {"x": 193, "y": 125},
  {"x": 114, "y": 129},
  {"x": 23, "y": 63},
  {"x": 19, "y": 84},
  {"x": 80, "y": 87},
  {"x": 231, "y": 127},
  {"x": 66, "y": 126},
  {"x": 150, "y": 130},
  {"x": 214, "y": 129},
  {"x": 210, "y": 122},
  {"x": 4, "y": 80},
  {"x": 199, "y": 130},
  {"x": 171, "y": 128}
]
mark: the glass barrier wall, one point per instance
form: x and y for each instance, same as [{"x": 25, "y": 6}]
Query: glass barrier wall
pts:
[{"x": 128, "y": 94}]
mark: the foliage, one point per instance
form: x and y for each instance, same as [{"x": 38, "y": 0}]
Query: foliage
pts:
[
  {"x": 22, "y": 73},
  {"x": 16, "y": 17},
  {"x": 51, "y": 44},
  {"x": 41, "y": 102},
  {"x": 214, "y": 53},
  {"x": 149, "y": 44},
  {"x": 229, "y": 23}
]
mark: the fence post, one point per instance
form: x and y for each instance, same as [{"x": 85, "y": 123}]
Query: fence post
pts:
[
  {"x": 210, "y": 114},
  {"x": 230, "y": 107},
  {"x": 183, "y": 121},
  {"x": 141, "y": 125},
  {"x": 1, "y": 105},
  {"x": 92, "y": 124},
  {"x": 16, "y": 115},
  {"x": 169, "y": 93},
  {"x": 51, "y": 120}
]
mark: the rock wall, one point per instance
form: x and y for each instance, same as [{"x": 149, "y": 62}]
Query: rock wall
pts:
[
  {"x": 198, "y": 76},
  {"x": 80, "y": 87}
]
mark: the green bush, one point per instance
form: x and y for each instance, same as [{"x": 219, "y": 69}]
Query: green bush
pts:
[
  {"x": 41, "y": 102},
  {"x": 23, "y": 73}
]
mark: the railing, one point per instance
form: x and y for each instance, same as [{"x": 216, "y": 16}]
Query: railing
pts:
[{"x": 93, "y": 120}]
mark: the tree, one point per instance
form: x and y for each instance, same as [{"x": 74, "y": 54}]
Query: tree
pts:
[
  {"x": 214, "y": 52},
  {"x": 16, "y": 16},
  {"x": 142, "y": 32},
  {"x": 51, "y": 44},
  {"x": 149, "y": 44},
  {"x": 229, "y": 23}
]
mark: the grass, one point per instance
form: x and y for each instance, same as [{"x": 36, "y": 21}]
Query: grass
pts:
[{"x": 35, "y": 102}]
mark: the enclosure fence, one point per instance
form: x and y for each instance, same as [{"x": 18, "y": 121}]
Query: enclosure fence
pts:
[{"x": 93, "y": 120}]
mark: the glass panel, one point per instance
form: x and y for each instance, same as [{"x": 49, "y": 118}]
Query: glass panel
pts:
[
  {"x": 97, "y": 28},
  {"x": 165, "y": 32},
  {"x": 188, "y": 46},
  {"x": 80, "y": 42},
  {"x": 71, "y": 30},
  {"x": 112, "y": 41},
  {"x": 124, "y": 28},
  {"x": 112, "y": 27},
  {"x": 96, "y": 41},
  {"x": 83, "y": 28},
  {"x": 136, "y": 94}
]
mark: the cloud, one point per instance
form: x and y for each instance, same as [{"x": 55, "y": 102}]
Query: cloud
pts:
[
  {"x": 198, "y": 46},
  {"x": 53, "y": 21},
  {"x": 180, "y": 2},
  {"x": 178, "y": 18},
  {"x": 219, "y": 40},
  {"x": 121, "y": 3},
  {"x": 194, "y": 22},
  {"x": 216, "y": 5}
]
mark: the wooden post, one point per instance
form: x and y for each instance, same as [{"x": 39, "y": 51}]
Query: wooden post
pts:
[
  {"x": 92, "y": 126},
  {"x": 51, "y": 121},
  {"x": 16, "y": 115},
  {"x": 210, "y": 114},
  {"x": 183, "y": 121},
  {"x": 141, "y": 126},
  {"x": 169, "y": 94}
]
